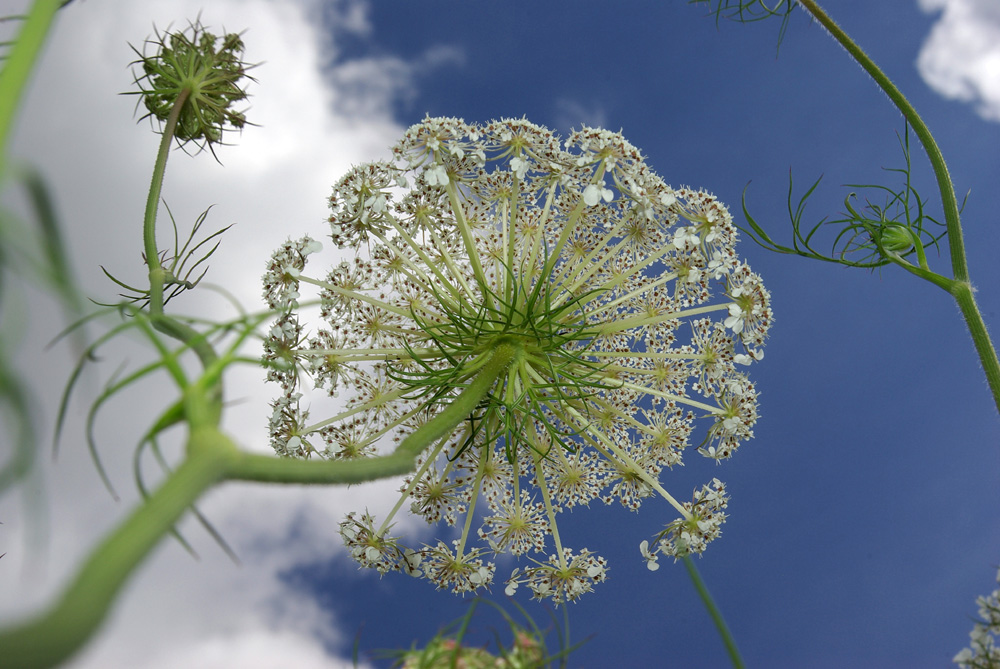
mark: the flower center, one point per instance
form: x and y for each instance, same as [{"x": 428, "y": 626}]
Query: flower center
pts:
[{"x": 541, "y": 318}]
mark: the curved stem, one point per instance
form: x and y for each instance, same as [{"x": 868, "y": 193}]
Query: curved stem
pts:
[
  {"x": 156, "y": 271},
  {"x": 256, "y": 467},
  {"x": 212, "y": 457},
  {"x": 963, "y": 294},
  {"x": 157, "y": 275},
  {"x": 57, "y": 634},
  {"x": 960, "y": 287},
  {"x": 920, "y": 129}
]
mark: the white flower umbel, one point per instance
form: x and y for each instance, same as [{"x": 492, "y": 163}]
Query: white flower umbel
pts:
[
  {"x": 983, "y": 652},
  {"x": 556, "y": 322}
]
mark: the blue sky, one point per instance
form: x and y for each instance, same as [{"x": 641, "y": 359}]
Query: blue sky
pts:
[
  {"x": 862, "y": 524},
  {"x": 863, "y": 515}
]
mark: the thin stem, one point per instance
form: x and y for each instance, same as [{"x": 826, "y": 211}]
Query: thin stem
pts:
[
  {"x": 360, "y": 408},
  {"x": 470, "y": 245},
  {"x": 713, "y": 610},
  {"x": 607, "y": 447},
  {"x": 157, "y": 275},
  {"x": 549, "y": 511},
  {"x": 156, "y": 271},
  {"x": 469, "y": 515},
  {"x": 621, "y": 325},
  {"x": 417, "y": 476},
  {"x": 923, "y": 133},
  {"x": 442, "y": 248},
  {"x": 961, "y": 288},
  {"x": 695, "y": 404},
  {"x": 354, "y": 295}
]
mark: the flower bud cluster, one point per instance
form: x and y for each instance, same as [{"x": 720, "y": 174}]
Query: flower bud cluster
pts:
[
  {"x": 631, "y": 319},
  {"x": 204, "y": 73}
]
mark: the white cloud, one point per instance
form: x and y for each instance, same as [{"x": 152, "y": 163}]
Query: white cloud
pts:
[
  {"x": 377, "y": 80},
  {"x": 961, "y": 57},
  {"x": 319, "y": 113},
  {"x": 257, "y": 648}
]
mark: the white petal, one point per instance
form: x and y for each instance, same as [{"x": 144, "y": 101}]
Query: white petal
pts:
[{"x": 591, "y": 195}]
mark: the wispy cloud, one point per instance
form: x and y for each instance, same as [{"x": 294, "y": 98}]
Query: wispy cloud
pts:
[
  {"x": 573, "y": 114},
  {"x": 370, "y": 84},
  {"x": 961, "y": 57}
]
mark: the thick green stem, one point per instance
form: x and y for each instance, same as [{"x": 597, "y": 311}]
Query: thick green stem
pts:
[
  {"x": 960, "y": 288},
  {"x": 255, "y": 467},
  {"x": 963, "y": 294},
  {"x": 57, "y": 634},
  {"x": 185, "y": 333}
]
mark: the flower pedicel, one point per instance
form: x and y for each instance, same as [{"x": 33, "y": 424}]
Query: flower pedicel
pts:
[{"x": 542, "y": 315}]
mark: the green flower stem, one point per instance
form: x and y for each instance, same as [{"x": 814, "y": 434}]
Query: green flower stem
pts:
[
  {"x": 713, "y": 610},
  {"x": 211, "y": 458},
  {"x": 549, "y": 512},
  {"x": 418, "y": 475},
  {"x": 960, "y": 287},
  {"x": 55, "y": 635},
  {"x": 923, "y": 133},
  {"x": 19, "y": 63},
  {"x": 470, "y": 246},
  {"x": 188, "y": 335},
  {"x": 157, "y": 274},
  {"x": 263, "y": 468},
  {"x": 962, "y": 291},
  {"x": 467, "y": 529}
]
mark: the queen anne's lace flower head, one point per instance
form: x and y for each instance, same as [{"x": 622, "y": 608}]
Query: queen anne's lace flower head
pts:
[{"x": 627, "y": 311}]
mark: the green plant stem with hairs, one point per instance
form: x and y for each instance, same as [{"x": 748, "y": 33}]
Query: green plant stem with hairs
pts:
[
  {"x": 959, "y": 285},
  {"x": 252, "y": 467},
  {"x": 57, "y": 634}
]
